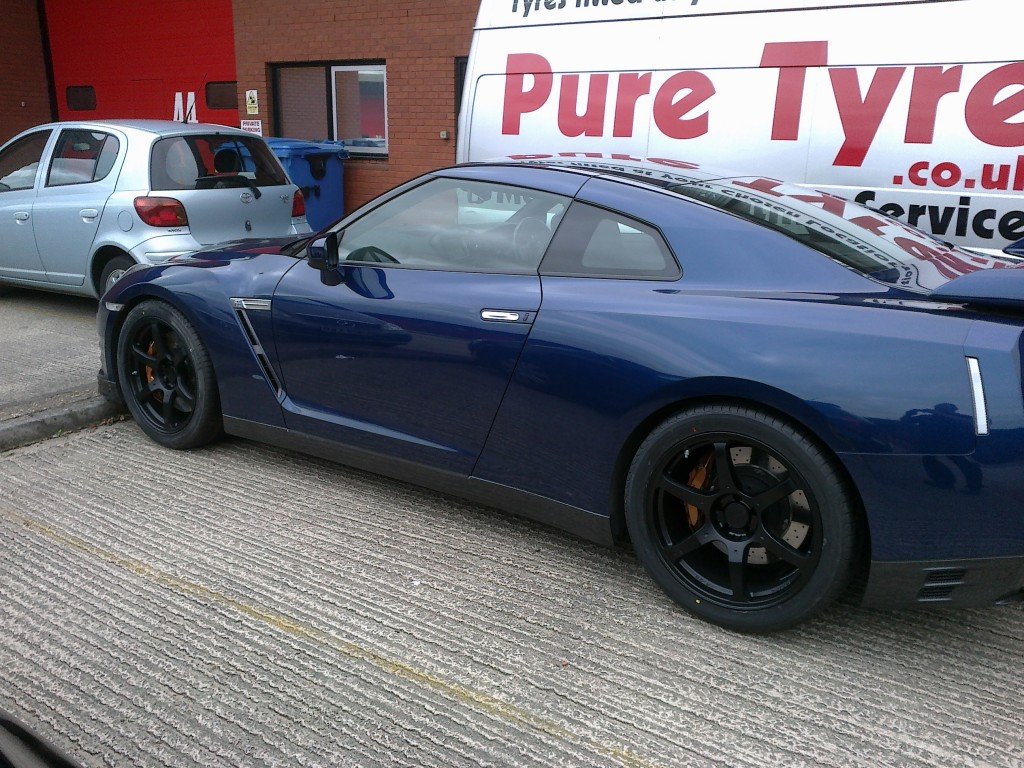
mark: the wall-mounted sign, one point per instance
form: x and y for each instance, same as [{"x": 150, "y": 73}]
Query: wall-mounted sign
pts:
[
  {"x": 253, "y": 126},
  {"x": 185, "y": 107},
  {"x": 252, "y": 103}
]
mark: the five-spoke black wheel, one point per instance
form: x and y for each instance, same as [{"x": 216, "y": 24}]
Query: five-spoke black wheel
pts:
[
  {"x": 166, "y": 377},
  {"x": 740, "y": 517}
]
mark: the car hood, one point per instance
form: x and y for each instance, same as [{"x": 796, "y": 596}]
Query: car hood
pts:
[{"x": 237, "y": 249}]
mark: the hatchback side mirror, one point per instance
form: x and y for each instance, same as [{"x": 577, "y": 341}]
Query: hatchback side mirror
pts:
[{"x": 323, "y": 252}]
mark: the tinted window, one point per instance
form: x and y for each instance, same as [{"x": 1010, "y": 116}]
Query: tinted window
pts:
[
  {"x": 594, "y": 242},
  {"x": 82, "y": 157},
  {"x": 20, "y": 161},
  {"x": 222, "y": 95},
  {"x": 866, "y": 241},
  {"x": 213, "y": 162},
  {"x": 458, "y": 225},
  {"x": 81, "y": 98}
]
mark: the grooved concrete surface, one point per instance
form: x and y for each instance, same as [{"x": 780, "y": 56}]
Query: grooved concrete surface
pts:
[
  {"x": 244, "y": 606},
  {"x": 49, "y": 350}
]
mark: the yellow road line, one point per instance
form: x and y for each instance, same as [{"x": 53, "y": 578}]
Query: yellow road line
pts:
[{"x": 295, "y": 628}]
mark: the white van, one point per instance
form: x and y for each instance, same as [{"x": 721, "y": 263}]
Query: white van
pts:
[{"x": 915, "y": 108}]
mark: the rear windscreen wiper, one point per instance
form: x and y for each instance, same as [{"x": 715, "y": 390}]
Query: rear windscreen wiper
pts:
[{"x": 211, "y": 182}]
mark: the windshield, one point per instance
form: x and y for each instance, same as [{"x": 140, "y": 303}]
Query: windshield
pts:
[{"x": 864, "y": 240}]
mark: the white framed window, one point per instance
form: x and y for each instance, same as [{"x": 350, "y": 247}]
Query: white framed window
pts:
[{"x": 360, "y": 107}]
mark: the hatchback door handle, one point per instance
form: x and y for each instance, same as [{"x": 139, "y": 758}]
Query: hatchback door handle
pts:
[
  {"x": 21, "y": 216},
  {"x": 88, "y": 213}
]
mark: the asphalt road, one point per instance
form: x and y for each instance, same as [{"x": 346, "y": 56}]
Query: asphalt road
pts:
[
  {"x": 244, "y": 606},
  {"x": 49, "y": 350}
]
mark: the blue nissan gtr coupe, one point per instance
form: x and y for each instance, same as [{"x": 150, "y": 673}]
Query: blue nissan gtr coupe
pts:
[{"x": 766, "y": 389}]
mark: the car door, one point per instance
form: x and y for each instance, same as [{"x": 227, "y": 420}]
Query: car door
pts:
[
  {"x": 19, "y": 168},
  {"x": 79, "y": 178},
  {"x": 407, "y": 347}
]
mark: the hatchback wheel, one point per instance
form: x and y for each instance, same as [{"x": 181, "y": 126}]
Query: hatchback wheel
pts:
[
  {"x": 114, "y": 271},
  {"x": 167, "y": 378},
  {"x": 740, "y": 518}
]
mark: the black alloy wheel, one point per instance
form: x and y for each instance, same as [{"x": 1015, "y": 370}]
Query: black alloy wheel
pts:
[
  {"x": 740, "y": 518},
  {"x": 166, "y": 377},
  {"x": 163, "y": 379}
]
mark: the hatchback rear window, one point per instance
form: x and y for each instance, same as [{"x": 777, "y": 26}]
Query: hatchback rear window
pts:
[{"x": 213, "y": 162}]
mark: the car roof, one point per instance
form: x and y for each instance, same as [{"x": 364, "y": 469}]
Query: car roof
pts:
[
  {"x": 155, "y": 127},
  {"x": 656, "y": 174}
]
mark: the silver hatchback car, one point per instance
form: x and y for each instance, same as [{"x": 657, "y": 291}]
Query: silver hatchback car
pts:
[{"x": 80, "y": 203}]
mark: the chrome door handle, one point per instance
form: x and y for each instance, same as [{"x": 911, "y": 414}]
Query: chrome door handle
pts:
[
  {"x": 88, "y": 213},
  {"x": 500, "y": 315},
  {"x": 21, "y": 216}
]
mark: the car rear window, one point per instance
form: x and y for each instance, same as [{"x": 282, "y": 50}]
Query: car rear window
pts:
[
  {"x": 211, "y": 162},
  {"x": 865, "y": 240}
]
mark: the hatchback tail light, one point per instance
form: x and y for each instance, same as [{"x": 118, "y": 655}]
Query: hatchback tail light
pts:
[
  {"x": 298, "y": 204},
  {"x": 161, "y": 211}
]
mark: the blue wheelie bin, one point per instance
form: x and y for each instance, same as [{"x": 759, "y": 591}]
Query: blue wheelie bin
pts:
[{"x": 317, "y": 170}]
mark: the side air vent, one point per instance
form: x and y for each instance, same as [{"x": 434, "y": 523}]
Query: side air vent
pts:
[
  {"x": 939, "y": 584},
  {"x": 241, "y": 306}
]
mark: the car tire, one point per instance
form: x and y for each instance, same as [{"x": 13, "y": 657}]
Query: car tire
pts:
[
  {"x": 113, "y": 271},
  {"x": 761, "y": 547},
  {"x": 167, "y": 378}
]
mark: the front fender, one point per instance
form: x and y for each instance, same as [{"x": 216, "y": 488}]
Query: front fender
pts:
[{"x": 202, "y": 292}]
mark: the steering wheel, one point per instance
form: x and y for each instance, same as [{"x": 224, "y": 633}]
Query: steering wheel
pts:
[
  {"x": 372, "y": 254},
  {"x": 450, "y": 246},
  {"x": 529, "y": 239}
]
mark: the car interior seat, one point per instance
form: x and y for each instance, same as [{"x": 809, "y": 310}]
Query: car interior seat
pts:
[{"x": 227, "y": 161}]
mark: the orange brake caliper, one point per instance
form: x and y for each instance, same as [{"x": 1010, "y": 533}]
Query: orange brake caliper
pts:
[
  {"x": 698, "y": 479},
  {"x": 150, "y": 374}
]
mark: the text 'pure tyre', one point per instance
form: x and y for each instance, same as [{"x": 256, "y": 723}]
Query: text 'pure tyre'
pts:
[
  {"x": 166, "y": 377},
  {"x": 740, "y": 518}
]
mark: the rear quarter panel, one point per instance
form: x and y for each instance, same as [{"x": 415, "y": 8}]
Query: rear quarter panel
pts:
[{"x": 606, "y": 356}]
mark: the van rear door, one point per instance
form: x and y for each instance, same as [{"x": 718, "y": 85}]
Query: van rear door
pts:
[{"x": 232, "y": 186}]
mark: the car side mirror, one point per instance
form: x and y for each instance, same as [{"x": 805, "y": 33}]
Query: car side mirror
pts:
[{"x": 323, "y": 252}]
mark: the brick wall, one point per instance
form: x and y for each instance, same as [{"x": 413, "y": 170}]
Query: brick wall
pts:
[
  {"x": 24, "y": 91},
  {"x": 417, "y": 40}
]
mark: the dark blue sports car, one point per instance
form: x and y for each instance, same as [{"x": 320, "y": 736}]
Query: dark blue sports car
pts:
[{"x": 769, "y": 391}]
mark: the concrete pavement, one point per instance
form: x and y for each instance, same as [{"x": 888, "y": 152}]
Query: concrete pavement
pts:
[
  {"x": 49, "y": 356},
  {"x": 245, "y": 606}
]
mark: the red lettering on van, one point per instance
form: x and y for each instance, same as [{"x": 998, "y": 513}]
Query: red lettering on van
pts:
[
  {"x": 680, "y": 108},
  {"x": 861, "y": 115},
  {"x": 670, "y": 109},
  {"x": 632, "y": 86},
  {"x": 930, "y": 85},
  {"x": 519, "y": 100},
  {"x": 989, "y": 119},
  {"x": 793, "y": 59},
  {"x": 591, "y": 122}
]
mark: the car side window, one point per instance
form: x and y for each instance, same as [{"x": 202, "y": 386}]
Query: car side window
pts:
[
  {"x": 594, "y": 242},
  {"x": 19, "y": 163},
  {"x": 82, "y": 157},
  {"x": 457, "y": 225}
]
